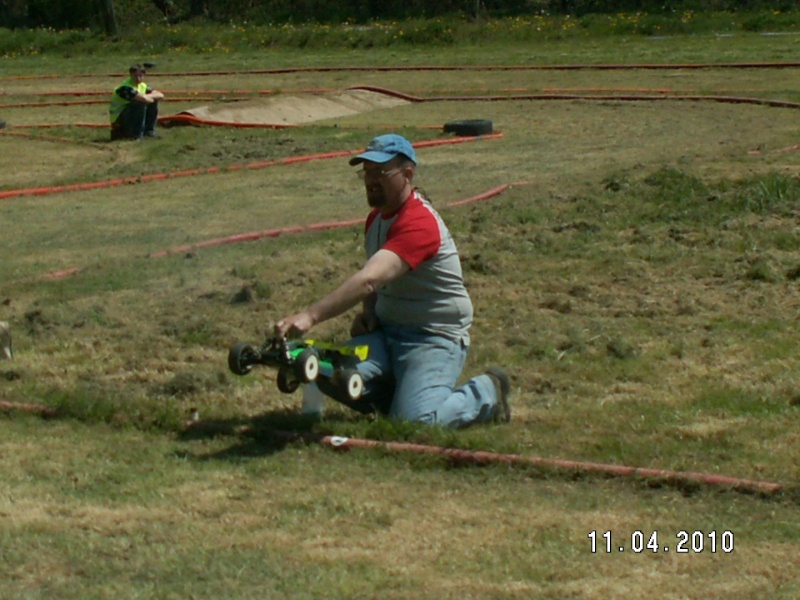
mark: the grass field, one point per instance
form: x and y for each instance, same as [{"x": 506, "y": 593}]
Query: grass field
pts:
[{"x": 638, "y": 278}]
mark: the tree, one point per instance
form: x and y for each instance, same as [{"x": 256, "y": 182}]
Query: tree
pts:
[
  {"x": 110, "y": 22},
  {"x": 197, "y": 8}
]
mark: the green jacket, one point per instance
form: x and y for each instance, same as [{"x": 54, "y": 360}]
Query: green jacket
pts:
[{"x": 118, "y": 103}]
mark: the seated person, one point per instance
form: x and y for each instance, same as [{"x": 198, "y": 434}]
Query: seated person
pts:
[{"x": 134, "y": 107}]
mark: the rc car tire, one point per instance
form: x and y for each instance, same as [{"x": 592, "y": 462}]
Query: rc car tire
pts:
[
  {"x": 287, "y": 382},
  {"x": 307, "y": 365},
  {"x": 469, "y": 127},
  {"x": 353, "y": 383},
  {"x": 241, "y": 358}
]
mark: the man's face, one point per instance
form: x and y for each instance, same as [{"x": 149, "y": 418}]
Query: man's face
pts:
[
  {"x": 384, "y": 182},
  {"x": 138, "y": 76}
]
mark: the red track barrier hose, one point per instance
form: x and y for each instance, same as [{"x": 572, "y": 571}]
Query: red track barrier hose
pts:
[
  {"x": 482, "y": 457},
  {"x": 39, "y": 409},
  {"x": 257, "y": 235},
  {"x": 594, "y": 97},
  {"x": 253, "y": 236},
  {"x": 578, "y": 67},
  {"x": 77, "y": 187}
]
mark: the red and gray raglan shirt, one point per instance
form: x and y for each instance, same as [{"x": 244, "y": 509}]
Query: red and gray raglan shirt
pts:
[{"x": 431, "y": 296}]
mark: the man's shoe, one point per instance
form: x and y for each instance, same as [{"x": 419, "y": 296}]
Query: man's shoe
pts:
[
  {"x": 152, "y": 135},
  {"x": 502, "y": 389}
]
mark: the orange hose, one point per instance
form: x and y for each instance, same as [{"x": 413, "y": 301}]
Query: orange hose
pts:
[
  {"x": 481, "y": 457},
  {"x": 52, "y": 138},
  {"x": 185, "y": 119},
  {"x": 257, "y": 235},
  {"x": 254, "y": 235},
  {"x": 480, "y": 197},
  {"x": 595, "y": 95},
  {"x": 39, "y": 409},
  {"x": 604, "y": 98},
  {"x": 557, "y": 67},
  {"x": 75, "y": 187},
  {"x": 89, "y": 102}
]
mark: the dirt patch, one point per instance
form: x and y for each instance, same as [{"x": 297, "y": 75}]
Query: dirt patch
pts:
[{"x": 295, "y": 109}]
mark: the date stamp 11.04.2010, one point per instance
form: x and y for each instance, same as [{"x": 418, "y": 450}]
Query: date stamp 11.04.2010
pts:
[{"x": 682, "y": 542}]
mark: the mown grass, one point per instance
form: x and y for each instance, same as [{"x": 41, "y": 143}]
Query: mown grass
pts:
[{"x": 638, "y": 280}]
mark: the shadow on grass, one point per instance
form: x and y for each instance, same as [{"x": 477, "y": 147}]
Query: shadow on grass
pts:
[
  {"x": 262, "y": 435},
  {"x": 271, "y": 432}
]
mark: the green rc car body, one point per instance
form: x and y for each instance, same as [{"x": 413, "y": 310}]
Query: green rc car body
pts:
[{"x": 303, "y": 361}]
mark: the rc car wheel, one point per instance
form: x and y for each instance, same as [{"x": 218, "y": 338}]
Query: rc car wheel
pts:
[
  {"x": 469, "y": 127},
  {"x": 287, "y": 382},
  {"x": 241, "y": 358},
  {"x": 353, "y": 382},
  {"x": 307, "y": 366}
]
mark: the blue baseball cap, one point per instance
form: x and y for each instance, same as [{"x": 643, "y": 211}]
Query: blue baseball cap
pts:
[{"x": 384, "y": 148}]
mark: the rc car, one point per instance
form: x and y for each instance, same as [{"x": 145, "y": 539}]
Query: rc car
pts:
[{"x": 302, "y": 361}]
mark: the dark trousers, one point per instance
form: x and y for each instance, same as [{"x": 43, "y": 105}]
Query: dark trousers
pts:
[{"x": 138, "y": 119}]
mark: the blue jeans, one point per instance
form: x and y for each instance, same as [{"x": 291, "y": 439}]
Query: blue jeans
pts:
[
  {"x": 411, "y": 375},
  {"x": 138, "y": 119}
]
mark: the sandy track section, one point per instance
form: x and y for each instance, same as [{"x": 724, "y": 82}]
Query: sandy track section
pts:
[{"x": 296, "y": 109}]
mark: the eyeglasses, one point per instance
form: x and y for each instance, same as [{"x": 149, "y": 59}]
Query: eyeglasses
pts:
[{"x": 376, "y": 173}]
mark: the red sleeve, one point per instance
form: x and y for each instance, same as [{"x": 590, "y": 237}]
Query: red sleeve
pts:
[{"x": 415, "y": 235}]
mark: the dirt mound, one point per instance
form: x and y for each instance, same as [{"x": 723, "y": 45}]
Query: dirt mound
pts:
[{"x": 295, "y": 109}]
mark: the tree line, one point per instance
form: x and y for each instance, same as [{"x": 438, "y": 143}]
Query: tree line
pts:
[{"x": 112, "y": 16}]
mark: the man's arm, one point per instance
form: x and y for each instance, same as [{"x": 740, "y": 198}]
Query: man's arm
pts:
[{"x": 383, "y": 267}]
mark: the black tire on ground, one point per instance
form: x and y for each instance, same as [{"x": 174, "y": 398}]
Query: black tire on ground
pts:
[
  {"x": 2, "y": 124},
  {"x": 469, "y": 127}
]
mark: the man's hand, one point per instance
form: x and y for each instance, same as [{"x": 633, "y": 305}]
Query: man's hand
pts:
[{"x": 295, "y": 325}]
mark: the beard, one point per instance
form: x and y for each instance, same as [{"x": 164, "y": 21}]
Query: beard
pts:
[{"x": 376, "y": 197}]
